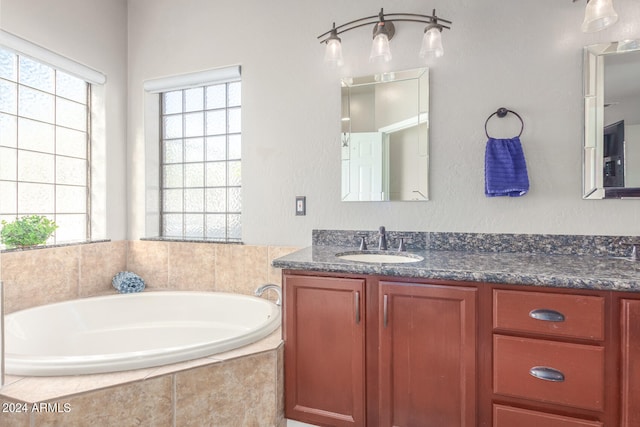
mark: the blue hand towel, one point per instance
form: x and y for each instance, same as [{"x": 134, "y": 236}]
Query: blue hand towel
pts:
[
  {"x": 126, "y": 282},
  {"x": 505, "y": 170}
]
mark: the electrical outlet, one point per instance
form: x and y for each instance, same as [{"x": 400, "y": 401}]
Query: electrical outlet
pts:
[{"x": 301, "y": 205}]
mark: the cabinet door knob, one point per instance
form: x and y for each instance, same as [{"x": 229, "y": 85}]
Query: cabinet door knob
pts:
[
  {"x": 546, "y": 315},
  {"x": 546, "y": 373}
]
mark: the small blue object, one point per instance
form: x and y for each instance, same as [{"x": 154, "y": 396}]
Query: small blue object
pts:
[
  {"x": 127, "y": 282},
  {"x": 505, "y": 170}
]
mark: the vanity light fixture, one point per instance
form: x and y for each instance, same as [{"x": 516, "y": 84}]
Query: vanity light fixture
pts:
[
  {"x": 598, "y": 15},
  {"x": 383, "y": 31}
]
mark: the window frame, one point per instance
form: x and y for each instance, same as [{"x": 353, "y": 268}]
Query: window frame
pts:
[
  {"x": 52, "y": 61},
  {"x": 183, "y": 82}
]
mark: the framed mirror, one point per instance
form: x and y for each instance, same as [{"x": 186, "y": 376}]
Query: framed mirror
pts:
[
  {"x": 611, "y": 157},
  {"x": 385, "y": 136}
]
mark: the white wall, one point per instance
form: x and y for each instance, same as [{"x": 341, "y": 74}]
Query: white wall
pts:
[
  {"x": 522, "y": 55},
  {"x": 94, "y": 33},
  {"x": 526, "y": 56}
]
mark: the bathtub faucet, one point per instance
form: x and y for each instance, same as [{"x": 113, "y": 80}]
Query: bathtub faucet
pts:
[{"x": 262, "y": 289}]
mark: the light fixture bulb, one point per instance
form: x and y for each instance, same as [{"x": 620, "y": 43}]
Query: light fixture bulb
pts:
[
  {"x": 333, "y": 52},
  {"x": 432, "y": 43},
  {"x": 380, "y": 51},
  {"x": 599, "y": 15}
]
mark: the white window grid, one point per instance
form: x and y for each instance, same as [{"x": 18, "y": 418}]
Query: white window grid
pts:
[
  {"x": 44, "y": 145},
  {"x": 200, "y": 179}
]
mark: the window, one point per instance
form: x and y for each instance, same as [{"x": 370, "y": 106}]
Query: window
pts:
[
  {"x": 44, "y": 144},
  {"x": 201, "y": 142}
]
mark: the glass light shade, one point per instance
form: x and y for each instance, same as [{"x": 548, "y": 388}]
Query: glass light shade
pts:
[
  {"x": 599, "y": 15},
  {"x": 380, "y": 50},
  {"x": 628, "y": 45},
  {"x": 432, "y": 44},
  {"x": 333, "y": 53}
]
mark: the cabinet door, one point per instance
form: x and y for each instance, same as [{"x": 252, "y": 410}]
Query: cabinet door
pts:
[
  {"x": 324, "y": 350},
  {"x": 630, "y": 341},
  {"x": 427, "y": 369}
]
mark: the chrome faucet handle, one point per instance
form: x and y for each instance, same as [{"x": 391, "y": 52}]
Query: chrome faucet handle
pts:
[
  {"x": 363, "y": 241},
  {"x": 634, "y": 249},
  {"x": 401, "y": 246}
]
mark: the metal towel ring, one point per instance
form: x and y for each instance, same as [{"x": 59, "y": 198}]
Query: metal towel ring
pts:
[{"x": 501, "y": 112}]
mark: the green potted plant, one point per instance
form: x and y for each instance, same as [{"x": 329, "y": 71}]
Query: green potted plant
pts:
[{"x": 31, "y": 230}]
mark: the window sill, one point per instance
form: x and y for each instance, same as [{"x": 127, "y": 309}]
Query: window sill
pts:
[
  {"x": 57, "y": 245},
  {"x": 192, "y": 240}
]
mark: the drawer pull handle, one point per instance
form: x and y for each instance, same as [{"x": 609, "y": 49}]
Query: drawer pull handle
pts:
[
  {"x": 547, "y": 374},
  {"x": 546, "y": 315},
  {"x": 357, "y": 303},
  {"x": 385, "y": 309}
]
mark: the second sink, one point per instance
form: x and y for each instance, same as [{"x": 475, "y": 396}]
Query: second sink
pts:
[{"x": 379, "y": 257}]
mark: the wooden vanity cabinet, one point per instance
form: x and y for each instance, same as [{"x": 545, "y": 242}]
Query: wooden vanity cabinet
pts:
[
  {"x": 420, "y": 368},
  {"x": 630, "y": 361},
  {"x": 324, "y": 353},
  {"x": 379, "y": 351},
  {"x": 427, "y": 355},
  {"x": 549, "y": 355}
]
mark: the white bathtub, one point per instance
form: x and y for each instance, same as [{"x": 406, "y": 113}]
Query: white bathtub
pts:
[{"x": 132, "y": 331}]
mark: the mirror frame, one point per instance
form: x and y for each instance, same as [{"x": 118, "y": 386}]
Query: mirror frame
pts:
[
  {"x": 593, "y": 92},
  {"x": 421, "y": 76}
]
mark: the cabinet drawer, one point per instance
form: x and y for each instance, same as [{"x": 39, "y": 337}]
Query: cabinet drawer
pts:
[
  {"x": 564, "y": 315},
  {"x": 517, "y": 360},
  {"x": 505, "y": 416}
]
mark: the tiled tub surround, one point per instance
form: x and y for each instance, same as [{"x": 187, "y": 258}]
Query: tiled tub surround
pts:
[
  {"x": 47, "y": 275},
  {"x": 211, "y": 390},
  {"x": 242, "y": 387},
  {"x": 538, "y": 260}
]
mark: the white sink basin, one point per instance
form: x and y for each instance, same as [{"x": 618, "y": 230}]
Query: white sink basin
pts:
[{"x": 380, "y": 257}]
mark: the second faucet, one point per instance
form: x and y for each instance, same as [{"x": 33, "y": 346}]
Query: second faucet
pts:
[{"x": 382, "y": 242}]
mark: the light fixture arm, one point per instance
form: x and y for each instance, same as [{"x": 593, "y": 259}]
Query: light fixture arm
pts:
[{"x": 385, "y": 18}]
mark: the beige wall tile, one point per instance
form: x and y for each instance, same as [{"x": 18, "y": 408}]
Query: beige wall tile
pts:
[
  {"x": 275, "y": 274},
  {"x": 99, "y": 262},
  {"x": 149, "y": 260},
  {"x": 241, "y": 269},
  {"x": 17, "y": 416},
  {"x": 142, "y": 403},
  {"x": 192, "y": 266},
  {"x": 269, "y": 343},
  {"x": 40, "y": 276},
  {"x": 40, "y": 389},
  {"x": 240, "y": 392},
  {"x": 280, "y": 387}
]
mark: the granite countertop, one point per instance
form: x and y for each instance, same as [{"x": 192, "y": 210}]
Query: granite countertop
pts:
[{"x": 555, "y": 270}]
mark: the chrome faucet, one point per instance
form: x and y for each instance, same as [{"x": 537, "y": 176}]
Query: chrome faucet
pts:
[
  {"x": 382, "y": 243},
  {"x": 634, "y": 256},
  {"x": 262, "y": 289}
]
